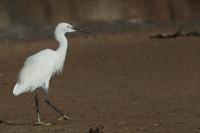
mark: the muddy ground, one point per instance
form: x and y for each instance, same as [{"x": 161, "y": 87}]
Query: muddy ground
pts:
[{"x": 125, "y": 82}]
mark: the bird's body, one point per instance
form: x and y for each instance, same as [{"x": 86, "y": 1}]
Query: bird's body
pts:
[
  {"x": 40, "y": 67},
  {"x": 37, "y": 71}
]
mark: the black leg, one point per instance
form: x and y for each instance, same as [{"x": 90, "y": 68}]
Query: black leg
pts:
[
  {"x": 36, "y": 101},
  {"x": 37, "y": 110},
  {"x": 51, "y": 105},
  {"x": 56, "y": 109}
]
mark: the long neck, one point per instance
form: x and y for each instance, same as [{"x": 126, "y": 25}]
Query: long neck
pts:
[
  {"x": 62, "y": 40},
  {"x": 61, "y": 51}
]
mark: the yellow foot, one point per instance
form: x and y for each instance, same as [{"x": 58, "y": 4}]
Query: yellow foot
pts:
[
  {"x": 41, "y": 123},
  {"x": 66, "y": 118}
]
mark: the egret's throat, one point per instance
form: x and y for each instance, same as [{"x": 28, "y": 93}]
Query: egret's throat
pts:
[{"x": 62, "y": 40}]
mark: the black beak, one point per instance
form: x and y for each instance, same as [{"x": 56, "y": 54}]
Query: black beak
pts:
[
  {"x": 80, "y": 30},
  {"x": 83, "y": 31}
]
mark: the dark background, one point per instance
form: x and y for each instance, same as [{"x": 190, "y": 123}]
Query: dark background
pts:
[
  {"x": 22, "y": 19},
  {"x": 47, "y": 12}
]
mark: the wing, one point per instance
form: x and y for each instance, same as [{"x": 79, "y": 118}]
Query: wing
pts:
[{"x": 37, "y": 69}]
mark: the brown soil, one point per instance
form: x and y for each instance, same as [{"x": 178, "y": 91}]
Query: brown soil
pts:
[{"x": 126, "y": 83}]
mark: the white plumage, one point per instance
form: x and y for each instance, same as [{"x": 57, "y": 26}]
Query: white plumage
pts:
[
  {"x": 36, "y": 72},
  {"x": 40, "y": 67}
]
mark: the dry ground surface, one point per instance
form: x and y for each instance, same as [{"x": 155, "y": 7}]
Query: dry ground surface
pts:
[{"x": 125, "y": 82}]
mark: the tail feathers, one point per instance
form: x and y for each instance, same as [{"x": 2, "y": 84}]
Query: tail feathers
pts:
[{"x": 18, "y": 89}]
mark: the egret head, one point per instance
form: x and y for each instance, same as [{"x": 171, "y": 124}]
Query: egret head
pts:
[
  {"x": 64, "y": 28},
  {"x": 67, "y": 28}
]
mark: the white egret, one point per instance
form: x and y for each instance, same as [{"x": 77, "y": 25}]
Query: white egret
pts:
[{"x": 40, "y": 67}]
